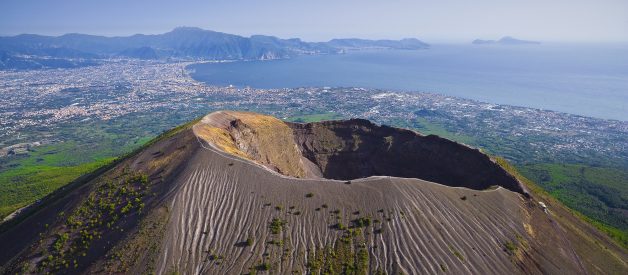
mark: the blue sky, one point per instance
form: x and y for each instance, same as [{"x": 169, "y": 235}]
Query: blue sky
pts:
[{"x": 319, "y": 20}]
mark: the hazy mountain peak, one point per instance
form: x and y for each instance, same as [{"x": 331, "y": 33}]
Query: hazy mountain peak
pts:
[
  {"x": 506, "y": 40},
  {"x": 188, "y": 29}
]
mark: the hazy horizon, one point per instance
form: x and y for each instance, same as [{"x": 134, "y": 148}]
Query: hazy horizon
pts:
[{"x": 445, "y": 21}]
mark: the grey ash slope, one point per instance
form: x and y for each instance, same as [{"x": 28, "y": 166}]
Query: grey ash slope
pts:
[
  {"x": 428, "y": 222},
  {"x": 211, "y": 186}
]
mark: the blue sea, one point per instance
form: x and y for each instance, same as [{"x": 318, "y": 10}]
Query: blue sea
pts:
[{"x": 589, "y": 80}]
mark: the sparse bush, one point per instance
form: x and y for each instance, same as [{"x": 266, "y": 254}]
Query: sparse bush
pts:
[
  {"x": 362, "y": 222},
  {"x": 339, "y": 226},
  {"x": 263, "y": 266},
  {"x": 510, "y": 247},
  {"x": 278, "y": 243},
  {"x": 276, "y": 225},
  {"x": 456, "y": 253},
  {"x": 309, "y": 195}
]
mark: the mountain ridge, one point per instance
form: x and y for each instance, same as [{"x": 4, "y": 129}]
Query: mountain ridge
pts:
[{"x": 183, "y": 43}]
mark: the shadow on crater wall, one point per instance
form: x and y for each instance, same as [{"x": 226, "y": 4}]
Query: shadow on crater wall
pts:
[{"x": 357, "y": 148}]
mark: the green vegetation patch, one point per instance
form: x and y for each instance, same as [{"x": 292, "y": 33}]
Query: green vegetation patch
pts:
[
  {"x": 25, "y": 184},
  {"x": 456, "y": 253},
  {"x": 276, "y": 225},
  {"x": 511, "y": 247},
  {"x": 348, "y": 255},
  {"x": 361, "y": 222},
  {"x": 263, "y": 266}
]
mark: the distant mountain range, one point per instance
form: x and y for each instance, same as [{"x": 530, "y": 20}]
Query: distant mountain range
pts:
[
  {"x": 506, "y": 40},
  {"x": 37, "y": 51},
  {"x": 354, "y": 43}
]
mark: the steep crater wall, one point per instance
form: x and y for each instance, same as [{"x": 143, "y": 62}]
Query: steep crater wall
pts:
[{"x": 357, "y": 148}]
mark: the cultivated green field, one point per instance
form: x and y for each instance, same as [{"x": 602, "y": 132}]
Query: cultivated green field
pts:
[
  {"x": 314, "y": 117},
  {"x": 597, "y": 192},
  {"x": 24, "y": 185}
]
